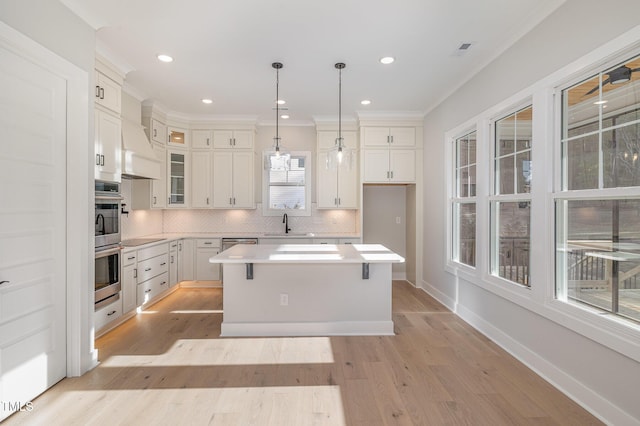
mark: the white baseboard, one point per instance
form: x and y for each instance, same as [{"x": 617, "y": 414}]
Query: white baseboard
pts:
[
  {"x": 342, "y": 328},
  {"x": 590, "y": 400},
  {"x": 447, "y": 301}
]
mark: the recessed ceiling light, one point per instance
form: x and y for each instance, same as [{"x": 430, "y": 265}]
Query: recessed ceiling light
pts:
[
  {"x": 165, "y": 58},
  {"x": 281, "y": 102},
  {"x": 365, "y": 102},
  {"x": 284, "y": 116},
  {"x": 387, "y": 60},
  {"x": 207, "y": 101}
]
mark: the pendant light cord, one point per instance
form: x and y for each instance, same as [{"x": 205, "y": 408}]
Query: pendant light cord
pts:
[
  {"x": 277, "y": 66},
  {"x": 340, "y": 66}
]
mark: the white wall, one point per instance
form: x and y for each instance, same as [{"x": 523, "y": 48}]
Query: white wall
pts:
[
  {"x": 381, "y": 206},
  {"x": 603, "y": 380}
]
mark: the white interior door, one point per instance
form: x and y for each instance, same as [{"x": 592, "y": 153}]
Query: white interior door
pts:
[{"x": 32, "y": 230}]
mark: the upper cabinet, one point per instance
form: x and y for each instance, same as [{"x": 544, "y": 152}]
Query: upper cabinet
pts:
[
  {"x": 232, "y": 139},
  {"x": 108, "y": 93},
  {"x": 389, "y": 136},
  {"x": 177, "y": 178},
  {"x": 233, "y": 180},
  {"x": 389, "y": 154},
  {"x": 201, "y": 139},
  {"x": 158, "y": 131},
  {"x": 337, "y": 185},
  {"x": 108, "y": 142},
  {"x": 178, "y": 137}
]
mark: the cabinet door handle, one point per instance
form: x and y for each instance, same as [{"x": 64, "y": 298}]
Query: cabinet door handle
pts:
[
  {"x": 169, "y": 200},
  {"x": 230, "y": 200},
  {"x": 147, "y": 290},
  {"x": 207, "y": 243},
  {"x": 135, "y": 272},
  {"x": 155, "y": 133},
  {"x": 180, "y": 247},
  {"x": 234, "y": 201},
  {"x": 155, "y": 200},
  {"x": 234, "y": 141},
  {"x": 102, "y": 160},
  {"x": 97, "y": 91},
  {"x": 207, "y": 200},
  {"x": 391, "y": 175},
  {"x": 111, "y": 313},
  {"x": 131, "y": 257},
  {"x": 147, "y": 269},
  {"x": 163, "y": 263},
  {"x": 207, "y": 141},
  {"x": 101, "y": 93},
  {"x": 97, "y": 159},
  {"x": 163, "y": 283},
  {"x": 339, "y": 202},
  {"x": 4, "y": 282},
  {"x": 172, "y": 259}
]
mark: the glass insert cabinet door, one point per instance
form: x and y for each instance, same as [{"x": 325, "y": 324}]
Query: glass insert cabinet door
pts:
[{"x": 177, "y": 174}]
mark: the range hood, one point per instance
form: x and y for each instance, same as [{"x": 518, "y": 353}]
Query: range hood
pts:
[{"x": 138, "y": 159}]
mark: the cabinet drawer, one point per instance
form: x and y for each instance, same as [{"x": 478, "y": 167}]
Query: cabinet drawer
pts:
[
  {"x": 324, "y": 241},
  {"x": 209, "y": 242},
  {"x": 129, "y": 258},
  {"x": 153, "y": 251},
  {"x": 153, "y": 267},
  {"x": 153, "y": 287},
  {"x": 106, "y": 314}
]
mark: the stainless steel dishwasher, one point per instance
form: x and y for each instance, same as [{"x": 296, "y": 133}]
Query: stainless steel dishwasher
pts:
[{"x": 230, "y": 242}]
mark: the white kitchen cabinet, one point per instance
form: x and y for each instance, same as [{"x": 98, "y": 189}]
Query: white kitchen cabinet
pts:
[
  {"x": 389, "y": 166},
  {"x": 151, "y": 193},
  {"x": 129, "y": 287},
  {"x": 108, "y": 93},
  {"x": 389, "y": 136},
  {"x": 103, "y": 316},
  {"x": 233, "y": 139},
  {"x": 186, "y": 260},
  {"x": 337, "y": 188},
  {"x": 173, "y": 263},
  {"x": 178, "y": 137},
  {"x": 327, "y": 139},
  {"x": 177, "y": 177},
  {"x": 201, "y": 179},
  {"x": 233, "y": 179},
  {"x": 158, "y": 132},
  {"x": 206, "y": 271},
  {"x": 108, "y": 143},
  {"x": 153, "y": 272},
  {"x": 201, "y": 139}
]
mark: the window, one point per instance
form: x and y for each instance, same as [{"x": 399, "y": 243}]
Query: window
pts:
[
  {"x": 464, "y": 200},
  {"x": 511, "y": 200},
  {"x": 287, "y": 184},
  {"x": 597, "y": 219}
]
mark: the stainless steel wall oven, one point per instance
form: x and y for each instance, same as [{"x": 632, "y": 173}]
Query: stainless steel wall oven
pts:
[
  {"x": 107, "y": 280},
  {"x": 108, "y": 204}
]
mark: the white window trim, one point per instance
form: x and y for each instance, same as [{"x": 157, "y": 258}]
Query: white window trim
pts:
[{"x": 614, "y": 333}]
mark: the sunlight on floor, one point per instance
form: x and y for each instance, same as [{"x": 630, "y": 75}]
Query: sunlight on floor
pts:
[
  {"x": 201, "y": 311},
  {"x": 245, "y": 351},
  {"x": 281, "y": 405}
]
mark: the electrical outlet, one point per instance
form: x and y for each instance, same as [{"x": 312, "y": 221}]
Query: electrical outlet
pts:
[
  {"x": 284, "y": 299},
  {"x": 398, "y": 220}
]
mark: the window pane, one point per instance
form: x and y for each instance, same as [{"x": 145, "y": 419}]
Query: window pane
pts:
[
  {"x": 580, "y": 109},
  {"x": 513, "y": 237},
  {"x": 582, "y": 163},
  {"x": 602, "y": 250},
  {"x": 523, "y": 170},
  {"x": 621, "y": 163},
  {"x": 467, "y": 233},
  {"x": 504, "y": 175}
]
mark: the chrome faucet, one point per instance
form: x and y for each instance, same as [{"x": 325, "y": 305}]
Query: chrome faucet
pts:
[{"x": 285, "y": 220}]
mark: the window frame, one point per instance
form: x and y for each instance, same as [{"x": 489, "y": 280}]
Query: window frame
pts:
[{"x": 268, "y": 211}]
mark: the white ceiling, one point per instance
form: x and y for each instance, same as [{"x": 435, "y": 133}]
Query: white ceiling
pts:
[{"x": 223, "y": 50}]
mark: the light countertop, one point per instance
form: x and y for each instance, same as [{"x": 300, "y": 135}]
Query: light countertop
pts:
[{"x": 307, "y": 253}]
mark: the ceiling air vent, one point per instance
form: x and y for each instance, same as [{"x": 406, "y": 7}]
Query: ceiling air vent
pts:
[{"x": 464, "y": 46}]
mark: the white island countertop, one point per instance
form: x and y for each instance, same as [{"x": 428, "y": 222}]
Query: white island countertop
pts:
[{"x": 307, "y": 253}]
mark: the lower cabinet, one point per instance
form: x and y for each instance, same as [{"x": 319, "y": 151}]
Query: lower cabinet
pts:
[
  {"x": 173, "y": 263},
  {"x": 153, "y": 272},
  {"x": 205, "y": 248},
  {"x": 129, "y": 283},
  {"x": 106, "y": 314},
  {"x": 152, "y": 287},
  {"x": 186, "y": 254}
]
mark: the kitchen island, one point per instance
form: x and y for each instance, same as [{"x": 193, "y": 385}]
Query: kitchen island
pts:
[{"x": 307, "y": 289}]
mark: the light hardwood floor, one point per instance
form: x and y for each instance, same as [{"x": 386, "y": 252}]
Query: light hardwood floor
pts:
[{"x": 168, "y": 366}]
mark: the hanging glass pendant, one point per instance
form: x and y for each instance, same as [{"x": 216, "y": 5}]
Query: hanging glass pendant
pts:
[
  {"x": 340, "y": 155},
  {"x": 278, "y": 159}
]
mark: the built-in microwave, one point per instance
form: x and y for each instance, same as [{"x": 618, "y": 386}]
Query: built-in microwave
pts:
[
  {"x": 107, "y": 280},
  {"x": 108, "y": 205}
]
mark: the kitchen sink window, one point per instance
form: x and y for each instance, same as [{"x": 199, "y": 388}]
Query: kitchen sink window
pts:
[{"x": 287, "y": 184}]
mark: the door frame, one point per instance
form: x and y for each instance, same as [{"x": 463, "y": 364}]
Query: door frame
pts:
[{"x": 80, "y": 351}]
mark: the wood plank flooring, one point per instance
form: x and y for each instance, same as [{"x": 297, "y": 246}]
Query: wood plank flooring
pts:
[{"x": 168, "y": 366}]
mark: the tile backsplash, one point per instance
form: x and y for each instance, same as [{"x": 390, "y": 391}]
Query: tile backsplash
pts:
[{"x": 252, "y": 221}]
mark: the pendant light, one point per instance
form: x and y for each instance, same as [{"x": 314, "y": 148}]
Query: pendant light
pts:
[
  {"x": 278, "y": 159},
  {"x": 340, "y": 155}
]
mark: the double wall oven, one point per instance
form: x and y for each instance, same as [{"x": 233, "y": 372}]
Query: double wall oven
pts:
[{"x": 108, "y": 205}]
